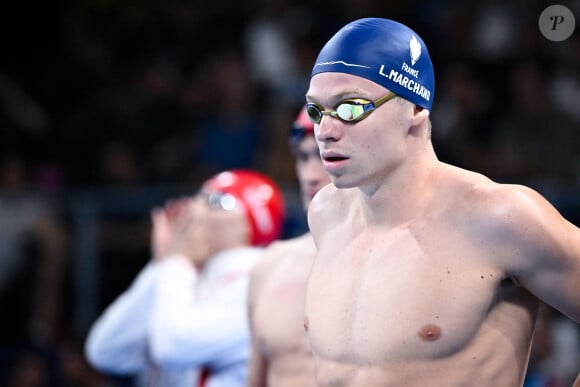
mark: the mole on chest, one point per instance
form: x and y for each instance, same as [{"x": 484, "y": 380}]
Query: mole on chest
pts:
[{"x": 306, "y": 324}]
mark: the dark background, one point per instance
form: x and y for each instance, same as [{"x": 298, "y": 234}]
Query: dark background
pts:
[{"x": 108, "y": 108}]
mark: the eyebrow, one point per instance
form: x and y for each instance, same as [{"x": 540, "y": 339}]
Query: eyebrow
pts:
[{"x": 347, "y": 94}]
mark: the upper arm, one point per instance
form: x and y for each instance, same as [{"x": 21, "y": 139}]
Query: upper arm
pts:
[
  {"x": 117, "y": 341},
  {"x": 543, "y": 250},
  {"x": 260, "y": 272},
  {"x": 119, "y": 354}
]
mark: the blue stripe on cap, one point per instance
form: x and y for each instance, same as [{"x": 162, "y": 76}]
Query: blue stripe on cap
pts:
[{"x": 385, "y": 52}]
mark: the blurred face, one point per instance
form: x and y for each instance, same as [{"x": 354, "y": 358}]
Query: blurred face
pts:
[
  {"x": 311, "y": 174},
  {"x": 363, "y": 152},
  {"x": 211, "y": 214}
]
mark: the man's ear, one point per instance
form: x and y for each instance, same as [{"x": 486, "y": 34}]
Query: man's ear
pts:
[{"x": 419, "y": 116}]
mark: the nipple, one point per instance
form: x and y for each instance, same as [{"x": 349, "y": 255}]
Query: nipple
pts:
[
  {"x": 306, "y": 323},
  {"x": 430, "y": 332}
]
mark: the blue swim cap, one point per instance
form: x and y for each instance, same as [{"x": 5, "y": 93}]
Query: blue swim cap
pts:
[{"x": 385, "y": 52}]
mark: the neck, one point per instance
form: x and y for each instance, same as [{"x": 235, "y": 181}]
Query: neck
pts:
[{"x": 404, "y": 192}]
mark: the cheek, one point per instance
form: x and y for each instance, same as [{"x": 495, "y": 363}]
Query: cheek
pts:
[
  {"x": 299, "y": 169},
  {"x": 237, "y": 221},
  {"x": 377, "y": 145},
  {"x": 222, "y": 219},
  {"x": 197, "y": 234},
  {"x": 301, "y": 172}
]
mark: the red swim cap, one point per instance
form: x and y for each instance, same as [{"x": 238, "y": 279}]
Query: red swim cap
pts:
[
  {"x": 260, "y": 197},
  {"x": 301, "y": 127}
]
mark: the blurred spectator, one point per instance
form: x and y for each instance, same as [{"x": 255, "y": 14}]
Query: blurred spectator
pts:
[
  {"x": 533, "y": 141},
  {"x": 32, "y": 249},
  {"x": 495, "y": 29},
  {"x": 277, "y": 58},
  {"x": 463, "y": 117},
  {"x": 32, "y": 252},
  {"x": 123, "y": 232},
  {"x": 231, "y": 132},
  {"x": 555, "y": 355}
]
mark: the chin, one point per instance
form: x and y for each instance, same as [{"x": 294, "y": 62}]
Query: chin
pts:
[{"x": 341, "y": 182}]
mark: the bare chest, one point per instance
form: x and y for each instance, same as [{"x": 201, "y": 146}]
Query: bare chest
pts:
[{"x": 380, "y": 297}]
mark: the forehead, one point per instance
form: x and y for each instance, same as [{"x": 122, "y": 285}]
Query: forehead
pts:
[{"x": 330, "y": 85}]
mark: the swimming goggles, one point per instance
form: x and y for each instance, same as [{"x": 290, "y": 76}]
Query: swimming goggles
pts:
[{"x": 348, "y": 110}]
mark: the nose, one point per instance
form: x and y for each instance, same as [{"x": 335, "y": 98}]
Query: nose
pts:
[{"x": 328, "y": 129}]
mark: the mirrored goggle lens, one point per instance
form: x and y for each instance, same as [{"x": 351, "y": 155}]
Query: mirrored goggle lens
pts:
[
  {"x": 314, "y": 113},
  {"x": 351, "y": 111},
  {"x": 347, "y": 111},
  {"x": 222, "y": 201}
]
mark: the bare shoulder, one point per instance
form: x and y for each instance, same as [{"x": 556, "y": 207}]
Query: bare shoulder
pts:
[
  {"x": 495, "y": 215},
  {"x": 328, "y": 204},
  {"x": 515, "y": 209},
  {"x": 520, "y": 232},
  {"x": 324, "y": 199},
  {"x": 519, "y": 226},
  {"x": 276, "y": 255},
  {"x": 281, "y": 248}
]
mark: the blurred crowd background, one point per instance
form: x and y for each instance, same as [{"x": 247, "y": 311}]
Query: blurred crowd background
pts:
[{"x": 110, "y": 107}]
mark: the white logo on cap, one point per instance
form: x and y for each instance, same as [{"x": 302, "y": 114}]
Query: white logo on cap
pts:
[
  {"x": 415, "y": 50},
  {"x": 341, "y": 62},
  {"x": 256, "y": 198}
]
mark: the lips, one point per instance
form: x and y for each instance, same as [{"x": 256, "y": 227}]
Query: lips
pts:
[
  {"x": 332, "y": 157},
  {"x": 333, "y": 162}
]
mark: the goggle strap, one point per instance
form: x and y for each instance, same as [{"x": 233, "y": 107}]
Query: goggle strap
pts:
[{"x": 384, "y": 99}]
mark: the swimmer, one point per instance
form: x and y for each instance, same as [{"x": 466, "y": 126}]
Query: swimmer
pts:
[
  {"x": 183, "y": 321},
  {"x": 281, "y": 355},
  {"x": 426, "y": 274}
]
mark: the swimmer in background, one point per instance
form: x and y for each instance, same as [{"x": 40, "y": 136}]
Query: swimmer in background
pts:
[
  {"x": 281, "y": 355},
  {"x": 183, "y": 321},
  {"x": 426, "y": 274}
]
